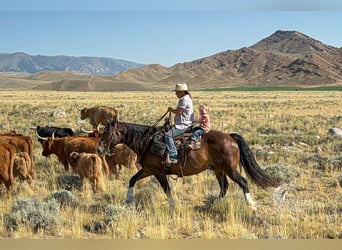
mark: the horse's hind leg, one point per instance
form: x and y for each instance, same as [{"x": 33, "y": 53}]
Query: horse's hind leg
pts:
[
  {"x": 223, "y": 182},
  {"x": 242, "y": 182}
]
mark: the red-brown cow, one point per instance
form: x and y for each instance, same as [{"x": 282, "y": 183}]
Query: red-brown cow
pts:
[
  {"x": 88, "y": 165},
  {"x": 123, "y": 156},
  {"x": 22, "y": 143},
  {"x": 63, "y": 147},
  {"x": 98, "y": 115},
  {"x": 7, "y": 153}
]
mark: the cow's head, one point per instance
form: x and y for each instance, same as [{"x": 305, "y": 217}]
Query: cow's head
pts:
[
  {"x": 84, "y": 113},
  {"x": 47, "y": 143},
  {"x": 73, "y": 158}
]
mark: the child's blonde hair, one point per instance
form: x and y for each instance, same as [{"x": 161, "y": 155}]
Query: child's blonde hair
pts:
[{"x": 204, "y": 107}]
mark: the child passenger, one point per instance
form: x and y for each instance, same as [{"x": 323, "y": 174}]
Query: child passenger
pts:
[{"x": 204, "y": 125}]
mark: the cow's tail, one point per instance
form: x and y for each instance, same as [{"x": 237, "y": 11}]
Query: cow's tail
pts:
[{"x": 251, "y": 167}]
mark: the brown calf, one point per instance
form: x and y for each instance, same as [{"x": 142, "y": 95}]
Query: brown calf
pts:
[
  {"x": 88, "y": 165},
  {"x": 123, "y": 156},
  {"x": 22, "y": 167}
]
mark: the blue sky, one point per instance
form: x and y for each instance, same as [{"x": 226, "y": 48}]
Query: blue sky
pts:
[{"x": 155, "y": 31}]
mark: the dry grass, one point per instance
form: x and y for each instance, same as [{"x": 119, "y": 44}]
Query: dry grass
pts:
[{"x": 282, "y": 128}]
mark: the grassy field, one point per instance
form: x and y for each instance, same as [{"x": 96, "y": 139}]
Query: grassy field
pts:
[{"x": 287, "y": 131}]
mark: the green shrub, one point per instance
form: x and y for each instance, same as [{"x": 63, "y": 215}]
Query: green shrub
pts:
[{"x": 34, "y": 215}]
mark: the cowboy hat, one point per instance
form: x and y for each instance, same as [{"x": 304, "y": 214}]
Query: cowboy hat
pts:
[{"x": 181, "y": 87}]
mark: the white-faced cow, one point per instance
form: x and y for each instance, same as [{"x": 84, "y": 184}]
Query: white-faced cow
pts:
[{"x": 98, "y": 115}]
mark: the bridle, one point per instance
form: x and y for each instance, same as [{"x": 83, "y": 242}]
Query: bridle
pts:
[
  {"x": 112, "y": 133},
  {"x": 115, "y": 131}
]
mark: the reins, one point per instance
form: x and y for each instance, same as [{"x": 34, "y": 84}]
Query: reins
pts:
[
  {"x": 155, "y": 124},
  {"x": 135, "y": 142}
]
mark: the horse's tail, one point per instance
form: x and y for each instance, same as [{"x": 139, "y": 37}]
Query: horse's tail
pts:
[{"x": 251, "y": 167}]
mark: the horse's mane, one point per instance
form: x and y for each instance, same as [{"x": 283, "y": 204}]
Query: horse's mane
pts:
[{"x": 137, "y": 136}]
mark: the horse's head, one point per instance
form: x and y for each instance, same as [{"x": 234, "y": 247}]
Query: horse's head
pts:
[{"x": 110, "y": 138}]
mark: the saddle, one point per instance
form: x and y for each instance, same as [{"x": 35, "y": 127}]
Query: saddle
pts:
[
  {"x": 183, "y": 139},
  {"x": 158, "y": 146}
]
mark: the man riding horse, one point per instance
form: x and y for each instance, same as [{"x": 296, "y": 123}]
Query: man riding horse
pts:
[{"x": 184, "y": 118}]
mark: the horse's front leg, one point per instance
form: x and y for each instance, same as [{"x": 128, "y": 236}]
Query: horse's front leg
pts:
[
  {"x": 138, "y": 176},
  {"x": 161, "y": 177}
]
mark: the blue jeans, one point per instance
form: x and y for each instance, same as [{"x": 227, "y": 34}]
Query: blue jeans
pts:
[
  {"x": 170, "y": 143},
  {"x": 198, "y": 132}
]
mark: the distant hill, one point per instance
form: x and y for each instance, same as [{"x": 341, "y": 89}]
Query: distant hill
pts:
[
  {"x": 285, "y": 58},
  {"x": 21, "y": 62}
]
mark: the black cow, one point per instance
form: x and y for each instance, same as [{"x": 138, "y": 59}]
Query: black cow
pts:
[{"x": 55, "y": 131}]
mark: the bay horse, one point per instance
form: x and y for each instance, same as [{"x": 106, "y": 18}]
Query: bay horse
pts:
[{"x": 220, "y": 152}]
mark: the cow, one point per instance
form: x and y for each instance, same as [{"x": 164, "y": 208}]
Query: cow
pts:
[
  {"x": 63, "y": 147},
  {"x": 88, "y": 165},
  {"x": 21, "y": 143},
  {"x": 47, "y": 131},
  {"x": 98, "y": 115},
  {"x": 7, "y": 153},
  {"x": 21, "y": 167},
  {"x": 123, "y": 156},
  {"x": 12, "y": 132}
]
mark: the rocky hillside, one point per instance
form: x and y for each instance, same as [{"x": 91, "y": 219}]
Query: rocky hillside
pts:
[
  {"x": 20, "y": 62},
  {"x": 285, "y": 58}
]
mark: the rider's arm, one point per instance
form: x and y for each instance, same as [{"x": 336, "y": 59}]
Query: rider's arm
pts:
[{"x": 176, "y": 111}]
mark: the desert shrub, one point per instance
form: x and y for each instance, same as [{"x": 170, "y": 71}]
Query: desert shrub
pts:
[
  {"x": 97, "y": 227},
  {"x": 335, "y": 163},
  {"x": 31, "y": 213},
  {"x": 113, "y": 212},
  {"x": 279, "y": 139},
  {"x": 309, "y": 139},
  {"x": 64, "y": 198},
  {"x": 281, "y": 172},
  {"x": 69, "y": 182}
]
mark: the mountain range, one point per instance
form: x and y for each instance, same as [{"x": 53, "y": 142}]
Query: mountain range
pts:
[
  {"x": 285, "y": 58},
  {"x": 21, "y": 62}
]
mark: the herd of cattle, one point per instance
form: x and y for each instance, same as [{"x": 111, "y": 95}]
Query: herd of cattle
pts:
[{"x": 77, "y": 151}]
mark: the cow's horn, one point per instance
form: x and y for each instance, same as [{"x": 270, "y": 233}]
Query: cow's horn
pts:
[
  {"x": 42, "y": 138},
  {"x": 78, "y": 108},
  {"x": 87, "y": 131}
]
